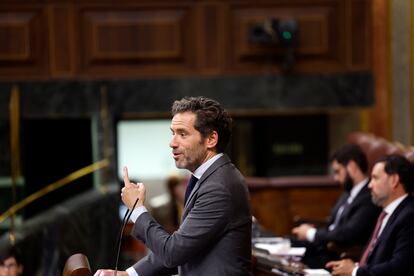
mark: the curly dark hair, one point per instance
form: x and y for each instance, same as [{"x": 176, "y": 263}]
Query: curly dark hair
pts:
[
  {"x": 210, "y": 116},
  {"x": 351, "y": 152},
  {"x": 11, "y": 251}
]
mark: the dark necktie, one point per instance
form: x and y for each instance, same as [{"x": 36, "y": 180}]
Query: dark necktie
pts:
[
  {"x": 191, "y": 183},
  {"x": 373, "y": 240},
  {"x": 339, "y": 214}
]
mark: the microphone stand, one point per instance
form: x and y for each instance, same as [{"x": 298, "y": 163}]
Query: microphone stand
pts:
[{"x": 125, "y": 220}]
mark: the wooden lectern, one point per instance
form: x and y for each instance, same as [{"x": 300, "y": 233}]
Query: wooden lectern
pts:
[{"x": 77, "y": 265}]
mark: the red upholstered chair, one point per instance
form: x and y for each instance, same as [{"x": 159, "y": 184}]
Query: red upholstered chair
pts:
[{"x": 375, "y": 147}]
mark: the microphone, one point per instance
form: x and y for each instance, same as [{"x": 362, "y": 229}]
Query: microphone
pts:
[{"x": 125, "y": 220}]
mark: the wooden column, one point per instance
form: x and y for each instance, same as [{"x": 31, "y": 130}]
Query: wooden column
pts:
[{"x": 379, "y": 117}]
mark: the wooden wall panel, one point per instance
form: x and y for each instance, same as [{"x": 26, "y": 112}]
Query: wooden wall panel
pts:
[
  {"x": 17, "y": 33},
  {"x": 209, "y": 38},
  {"x": 313, "y": 35},
  {"x": 379, "y": 117},
  {"x": 276, "y": 208},
  {"x": 359, "y": 34},
  {"x": 127, "y": 38},
  {"x": 319, "y": 37},
  {"x": 23, "y": 44},
  {"x": 135, "y": 38},
  {"x": 62, "y": 40}
]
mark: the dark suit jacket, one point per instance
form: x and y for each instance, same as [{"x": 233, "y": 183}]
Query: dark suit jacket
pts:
[
  {"x": 356, "y": 222},
  {"x": 393, "y": 253},
  {"x": 214, "y": 237}
]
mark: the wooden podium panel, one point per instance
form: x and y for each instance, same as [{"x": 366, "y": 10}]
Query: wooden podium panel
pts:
[{"x": 77, "y": 265}]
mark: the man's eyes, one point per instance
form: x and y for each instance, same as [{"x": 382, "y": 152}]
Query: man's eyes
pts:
[{"x": 181, "y": 133}]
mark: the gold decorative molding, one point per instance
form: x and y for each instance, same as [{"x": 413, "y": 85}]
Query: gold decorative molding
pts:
[{"x": 14, "y": 148}]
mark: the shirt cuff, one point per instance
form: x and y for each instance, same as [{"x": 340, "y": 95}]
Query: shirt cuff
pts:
[
  {"x": 131, "y": 272},
  {"x": 354, "y": 271},
  {"x": 310, "y": 234},
  {"x": 137, "y": 212}
]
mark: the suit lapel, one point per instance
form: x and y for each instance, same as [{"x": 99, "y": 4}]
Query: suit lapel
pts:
[
  {"x": 394, "y": 216},
  {"x": 335, "y": 210},
  {"x": 390, "y": 225},
  {"x": 362, "y": 195},
  {"x": 219, "y": 162}
]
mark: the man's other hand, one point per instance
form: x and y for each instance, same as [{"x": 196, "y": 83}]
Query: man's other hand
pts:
[{"x": 342, "y": 267}]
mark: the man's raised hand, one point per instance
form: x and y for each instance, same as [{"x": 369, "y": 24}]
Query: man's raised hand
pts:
[{"x": 131, "y": 191}]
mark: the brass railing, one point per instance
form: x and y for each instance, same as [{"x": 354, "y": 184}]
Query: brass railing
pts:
[
  {"x": 15, "y": 160},
  {"x": 53, "y": 186}
]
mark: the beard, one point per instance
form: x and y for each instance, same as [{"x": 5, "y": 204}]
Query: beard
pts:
[
  {"x": 378, "y": 200},
  {"x": 192, "y": 157},
  {"x": 348, "y": 183}
]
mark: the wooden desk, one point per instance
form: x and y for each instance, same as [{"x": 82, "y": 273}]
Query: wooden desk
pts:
[{"x": 277, "y": 201}]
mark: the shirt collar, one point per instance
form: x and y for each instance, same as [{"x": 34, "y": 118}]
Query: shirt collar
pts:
[
  {"x": 394, "y": 204},
  {"x": 357, "y": 188},
  {"x": 203, "y": 168}
]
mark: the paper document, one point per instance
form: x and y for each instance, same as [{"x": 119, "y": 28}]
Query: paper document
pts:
[
  {"x": 281, "y": 249},
  {"x": 268, "y": 240},
  {"x": 316, "y": 272}
]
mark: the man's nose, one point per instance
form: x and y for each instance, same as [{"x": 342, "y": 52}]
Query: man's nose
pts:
[{"x": 173, "y": 143}]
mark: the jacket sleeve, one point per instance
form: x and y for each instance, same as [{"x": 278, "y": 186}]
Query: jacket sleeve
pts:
[
  {"x": 151, "y": 266},
  {"x": 358, "y": 227},
  {"x": 203, "y": 226}
]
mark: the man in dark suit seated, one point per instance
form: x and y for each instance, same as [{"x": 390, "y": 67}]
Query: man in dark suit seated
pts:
[
  {"x": 353, "y": 217},
  {"x": 391, "y": 248}
]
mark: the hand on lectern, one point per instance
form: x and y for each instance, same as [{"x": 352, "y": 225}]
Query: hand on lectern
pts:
[
  {"x": 109, "y": 272},
  {"x": 131, "y": 191}
]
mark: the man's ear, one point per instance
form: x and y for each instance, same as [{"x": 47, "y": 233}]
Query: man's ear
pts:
[
  {"x": 352, "y": 167},
  {"x": 395, "y": 179},
  {"x": 212, "y": 139}
]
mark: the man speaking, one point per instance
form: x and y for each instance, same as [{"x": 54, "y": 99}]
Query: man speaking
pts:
[{"x": 214, "y": 237}]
